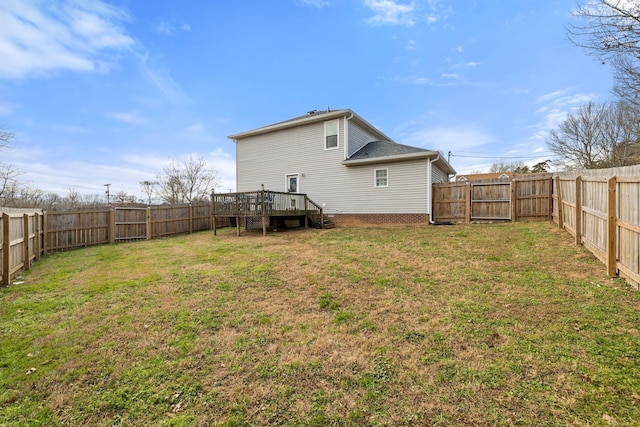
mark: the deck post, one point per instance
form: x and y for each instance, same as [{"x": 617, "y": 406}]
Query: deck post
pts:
[
  {"x": 306, "y": 209},
  {"x": 264, "y": 211},
  {"x": 238, "y": 226}
]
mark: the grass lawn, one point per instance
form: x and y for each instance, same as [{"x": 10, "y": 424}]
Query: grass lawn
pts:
[{"x": 503, "y": 324}]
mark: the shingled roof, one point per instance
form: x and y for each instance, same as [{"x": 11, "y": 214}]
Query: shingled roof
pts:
[{"x": 389, "y": 151}]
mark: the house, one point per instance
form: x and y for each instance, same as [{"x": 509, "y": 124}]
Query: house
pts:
[
  {"x": 353, "y": 170},
  {"x": 491, "y": 176}
]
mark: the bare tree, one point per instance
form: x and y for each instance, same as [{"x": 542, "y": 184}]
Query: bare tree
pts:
[
  {"x": 621, "y": 135},
  {"x": 73, "y": 197},
  {"x": 541, "y": 167},
  {"x": 123, "y": 198},
  {"x": 578, "y": 140},
  {"x": 5, "y": 138},
  {"x": 148, "y": 188},
  {"x": 187, "y": 182},
  {"x": 611, "y": 32},
  {"x": 598, "y": 136},
  {"x": 502, "y": 166},
  {"x": 8, "y": 183}
]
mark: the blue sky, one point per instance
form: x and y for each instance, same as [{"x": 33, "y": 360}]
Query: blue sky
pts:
[{"x": 110, "y": 91}]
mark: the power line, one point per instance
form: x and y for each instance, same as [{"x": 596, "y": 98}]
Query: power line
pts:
[{"x": 537, "y": 156}]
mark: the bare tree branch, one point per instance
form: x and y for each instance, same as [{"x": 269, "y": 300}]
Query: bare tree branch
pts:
[
  {"x": 611, "y": 33},
  {"x": 187, "y": 182}
]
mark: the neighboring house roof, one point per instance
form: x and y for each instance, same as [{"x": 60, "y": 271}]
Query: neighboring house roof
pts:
[
  {"x": 310, "y": 117},
  {"x": 484, "y": 176},
  {"x": 389, "y": 151}
]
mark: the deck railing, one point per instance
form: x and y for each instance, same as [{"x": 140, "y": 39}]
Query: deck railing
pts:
[{"x": 266, "y": 203}]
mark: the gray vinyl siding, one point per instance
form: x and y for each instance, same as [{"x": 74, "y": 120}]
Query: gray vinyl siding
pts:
[
  {"x": 267, "y": 158},
  {"x": 437, "y": 176},
  {"x": 406, "y": 191},
  {"x": 358, "y": 138}
]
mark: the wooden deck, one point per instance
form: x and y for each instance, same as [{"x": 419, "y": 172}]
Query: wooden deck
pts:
[{"x": 264, "y": 209}]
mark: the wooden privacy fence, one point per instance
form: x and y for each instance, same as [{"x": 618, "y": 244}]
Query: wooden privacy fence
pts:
[
  {"x": 519, "y": 199},
  {"x": 24, "y": 237},
  {"x": 20, "y": 243},
  {"x": 603, "y": 214}
]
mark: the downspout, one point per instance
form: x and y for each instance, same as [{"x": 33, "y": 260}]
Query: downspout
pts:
[
  {"x": 430, "y": 188},
  {"x": 346, "y": 135}
]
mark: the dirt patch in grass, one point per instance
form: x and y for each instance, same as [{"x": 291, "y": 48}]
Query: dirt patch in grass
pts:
[{"x": 504, "y": 324}]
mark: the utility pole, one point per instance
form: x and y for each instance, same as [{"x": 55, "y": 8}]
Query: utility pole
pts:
[
  {"x": 107, "y": 193},
  {"x": 449, "y": 157}
]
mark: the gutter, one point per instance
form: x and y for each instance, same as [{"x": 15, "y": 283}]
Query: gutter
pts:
[
  {"x": 346, "y": 135},
  {"x": 391, "y": 159},
  {"x": 431, "y": 221}
]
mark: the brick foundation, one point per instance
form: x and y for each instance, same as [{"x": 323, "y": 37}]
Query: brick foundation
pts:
[{"x": 364, "y": 220}]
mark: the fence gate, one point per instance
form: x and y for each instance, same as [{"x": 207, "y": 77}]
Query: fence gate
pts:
[
  {"x": 130, "y": 223},
  {"x": 491, "y": 200}
]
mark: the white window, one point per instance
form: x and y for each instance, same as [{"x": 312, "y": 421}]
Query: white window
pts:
[
  {"x": 292, "y": 183},
  {"x": 331, "y": 135},
  {"x": 381, "y": 177}
]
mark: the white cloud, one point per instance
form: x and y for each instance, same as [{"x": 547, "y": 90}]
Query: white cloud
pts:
[
  {"x": 168, "y": 29},
  {"x": 38, "y": 38},
  {"x": 7, "y": 108},
  {"x": 165, "y": 28},
  {"x": 196, "y": 128},
  {"x": 416, "y": 80},
  {"x": 554, "y": 108},
  {"x": 131, "y": 118},
  {"x": 389, "y": 12},
  {"x": 71, "y": 129},
  {"x": 454, "y": 139},
  {"x": 162, "y": 79},
  {"x": 314, "y": 3},
  {"x": 453, "y": 76}
]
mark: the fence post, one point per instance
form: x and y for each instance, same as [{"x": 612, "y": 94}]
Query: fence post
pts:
[
  {"x": 149, "y": 225},
  {"x": 5, "y": 249},
  {"x": 514, "y": 200},
  {"x": 36, "y": 224},
  {"x": 25, "y": 242},
  {"x": 190, "y": 218},
  {"x": 213, "y": 213},
  {"x": 550, "y": 189},
  {"x": 45, "y": 229},
  {"x": 467, "y": 203},
  {"x": 112, "y": 226},
  {"x": 559, "y": 202},
  {"x": 612, "y": 227},
  {"x": 578, "y": 210}
]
